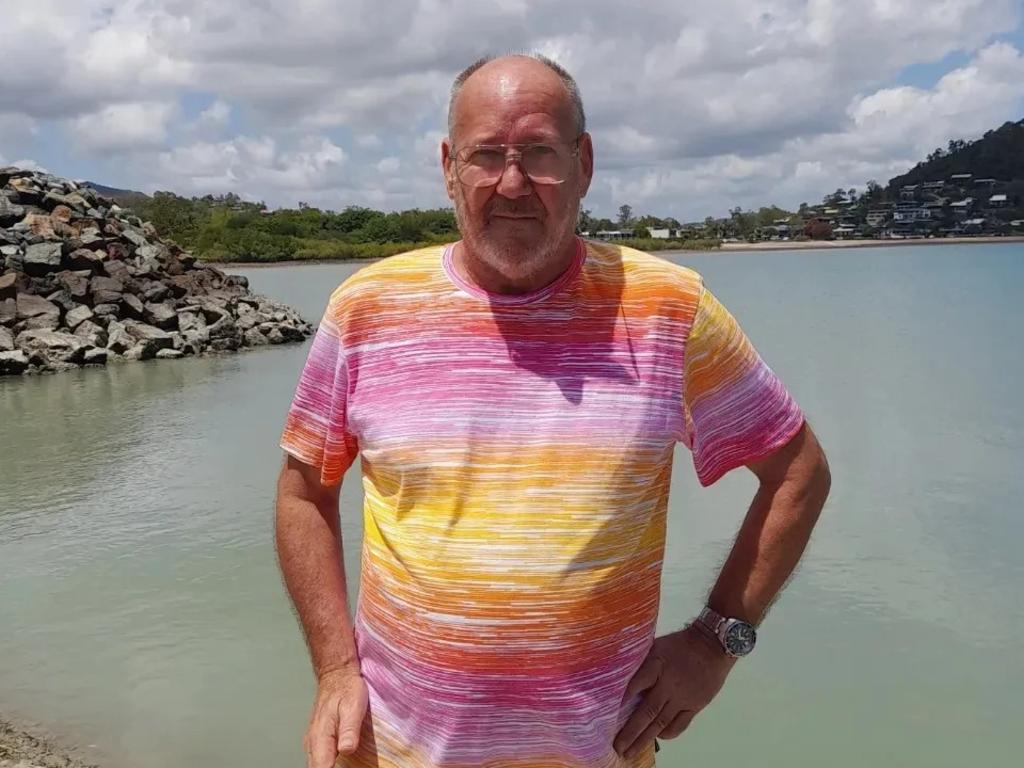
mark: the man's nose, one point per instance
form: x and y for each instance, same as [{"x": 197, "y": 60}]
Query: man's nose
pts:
[{"x": 513, "y": 182}]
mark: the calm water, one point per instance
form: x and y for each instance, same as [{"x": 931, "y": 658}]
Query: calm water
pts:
[{"x": 141, "y": 613}]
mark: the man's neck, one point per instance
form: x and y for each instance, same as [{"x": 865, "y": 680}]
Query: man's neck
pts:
[{"x": 483, "y": 275}]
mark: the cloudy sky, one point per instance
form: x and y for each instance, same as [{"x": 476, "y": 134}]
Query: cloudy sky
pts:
[{"x": 694, "y": 106}]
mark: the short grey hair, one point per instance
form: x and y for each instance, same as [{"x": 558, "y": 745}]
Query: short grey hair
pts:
[{"x": 567, "y": 80}]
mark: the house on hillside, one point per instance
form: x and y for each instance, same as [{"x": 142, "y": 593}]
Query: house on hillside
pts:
[
  {"x": 877, "y": 216},
  {"x": 984, "y": 183},
  {"x": 961, "y": 178},
  {"x": 998, "y": 201},
  {"x": 933, "y": 186},
  {"x": 908, "y": 191},
  {"x": 911, "y": 212},
  {"x": 962, "y": 208}
]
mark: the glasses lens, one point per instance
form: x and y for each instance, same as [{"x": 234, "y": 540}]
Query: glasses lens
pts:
[
  {"x": 543, "y": 163},
  {"x": 546, "y": 164},
  {"x": 481, "y": 166}
]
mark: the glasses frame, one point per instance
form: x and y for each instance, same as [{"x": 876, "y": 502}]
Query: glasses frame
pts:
[{"x": 516, "y": 155}]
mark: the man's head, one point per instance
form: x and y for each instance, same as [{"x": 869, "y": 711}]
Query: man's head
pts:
[{"x": 516, "y": 225}]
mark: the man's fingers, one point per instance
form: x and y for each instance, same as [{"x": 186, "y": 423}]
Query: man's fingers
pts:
[
  {"x": 679, "y": 724},
  {"x": 657, "y": 725},
  {"x": 350, "y": 720},
  {"x": 322, "y": 740},
  {"x": 644, "y": 678},
  {"x": 650, "y": 712}
]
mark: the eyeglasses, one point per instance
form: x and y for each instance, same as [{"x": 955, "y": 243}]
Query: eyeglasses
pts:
[{"x": 482, "y": 165}]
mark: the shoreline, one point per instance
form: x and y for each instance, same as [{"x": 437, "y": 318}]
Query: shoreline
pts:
[
  {"x": 767, "y": 245},
  {"x": 822, "y": 245},
  {"x": 23, "y": 748}
]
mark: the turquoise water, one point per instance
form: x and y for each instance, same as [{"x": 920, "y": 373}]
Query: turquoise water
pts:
[{"x": 142, "y": 617}]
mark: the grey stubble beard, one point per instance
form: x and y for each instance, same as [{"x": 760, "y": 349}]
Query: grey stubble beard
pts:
[{"x": 513, "y": 261}]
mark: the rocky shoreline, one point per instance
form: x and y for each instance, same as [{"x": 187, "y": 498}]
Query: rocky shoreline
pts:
[
  {"x": 84, "y": 283},
  {"x": 20, "y": 749}
]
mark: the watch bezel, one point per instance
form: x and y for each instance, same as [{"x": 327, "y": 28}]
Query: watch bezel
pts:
[{"x": 734, "y": 646}]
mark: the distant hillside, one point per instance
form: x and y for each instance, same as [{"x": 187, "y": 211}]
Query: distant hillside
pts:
[
  {"x": 999, "y": 154},
  {"x": 125, "y": 197}
]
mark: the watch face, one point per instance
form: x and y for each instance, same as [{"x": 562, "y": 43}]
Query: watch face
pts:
[{"x": 740, "y": 638}]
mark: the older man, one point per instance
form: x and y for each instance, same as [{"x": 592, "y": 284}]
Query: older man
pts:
[{"x": 515, "y": 399}]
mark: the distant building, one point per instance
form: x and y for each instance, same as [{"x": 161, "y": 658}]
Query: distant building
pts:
[
  {"x": 659, "y": 234},
  {"x": 961, "y": 208},
  {"x": 998, "y": 201},
  {"x": 906, "y": 213},
  {"x": 908, "y": 191},
  {"x": 843, "y": 231},
  {"x": 960, "y": 178},
  {"x": 934, "y": 185},
  {"x": 985, "y": 182},
  {"x": 877, "y": 216},
  {"x": 614, "y": 234}
]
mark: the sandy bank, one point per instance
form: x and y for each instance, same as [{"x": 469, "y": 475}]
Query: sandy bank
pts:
[{"x": 20, "y": 749}]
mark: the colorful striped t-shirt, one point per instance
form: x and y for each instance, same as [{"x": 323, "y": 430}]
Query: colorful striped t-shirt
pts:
[{"x": 516, "y": 454}]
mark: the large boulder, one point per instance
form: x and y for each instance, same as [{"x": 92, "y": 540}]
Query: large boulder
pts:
[
  {"x": 9, "y": 212},
  {"x": 86, "y": 258},
  {"x": 92, "y": 333},
  {"x": 52, "y": 346},
  {"x": 6, "y": 340},
  {"x": 42, "y": 258},
  {"x": 161, "y": 315},
  {"x": 30, "y": 305},
  {"x": 8, "y": 311},
  {"x": 119, "y": 340},
  {"x": 76, "y": 316},
  {"x": 13, "y": 363},
  {"x": 151, "y": 338},
  {"x": 75, "y": 283},
  {"x": 9, "y": 286},
  {"x": 106, "y": 290}
]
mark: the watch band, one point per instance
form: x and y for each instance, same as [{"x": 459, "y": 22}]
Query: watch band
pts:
[{"x": 711, "y": 619}]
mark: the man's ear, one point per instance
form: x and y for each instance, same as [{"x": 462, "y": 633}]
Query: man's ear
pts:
[
  {"x": 586, "y": 163},
  {"x": 448, "y": 167}
]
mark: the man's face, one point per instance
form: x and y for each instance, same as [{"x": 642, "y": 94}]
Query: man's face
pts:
[{"x": 516, "y": 226}]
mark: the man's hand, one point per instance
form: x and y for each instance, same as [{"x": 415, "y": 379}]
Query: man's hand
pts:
[
  {"x": 682, "y": 673},
  {"x": 341, "y": 702}
]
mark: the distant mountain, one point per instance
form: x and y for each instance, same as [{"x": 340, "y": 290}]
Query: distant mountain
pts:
[
  {"x": 999, "y": 154},
  {"x": 125, "y": 197}
]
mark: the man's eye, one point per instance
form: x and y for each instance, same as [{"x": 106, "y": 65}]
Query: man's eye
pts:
[{"x": 486, "y": 156}]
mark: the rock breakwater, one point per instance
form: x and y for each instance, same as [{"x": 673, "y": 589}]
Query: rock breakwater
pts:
[{"x": 84, "y": 282}]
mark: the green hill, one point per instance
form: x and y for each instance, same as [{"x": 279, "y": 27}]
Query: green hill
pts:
[{"x": 999, "y": 154}]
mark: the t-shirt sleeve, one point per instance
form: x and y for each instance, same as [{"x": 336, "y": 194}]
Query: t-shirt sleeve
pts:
[
  {"x": 736, "y": 408},
  {"x": 316, "y": 430}
]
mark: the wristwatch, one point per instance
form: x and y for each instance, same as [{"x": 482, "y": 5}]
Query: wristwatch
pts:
[{"x": 737, "y": 636}]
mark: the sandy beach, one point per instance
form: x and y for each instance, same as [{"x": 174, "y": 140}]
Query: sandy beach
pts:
[
  {"x": 821, "y": 245},
  {"x": 21, "y": 749}
]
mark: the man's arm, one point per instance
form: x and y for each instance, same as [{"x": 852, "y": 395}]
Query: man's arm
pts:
[
  {"x": 794, "y": 483},
  {"x": 685, "y": 670},
  {"x": 308, "y": 535}
]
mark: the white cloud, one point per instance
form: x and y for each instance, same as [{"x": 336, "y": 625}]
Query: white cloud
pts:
[
  {"x": 131, "y": 126},
  {"x": 389, "y": 165},
  {"x": 214, "y": 117},
  {"x": 694, "y": 106},
  {"x": 251, "y": 165}
]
